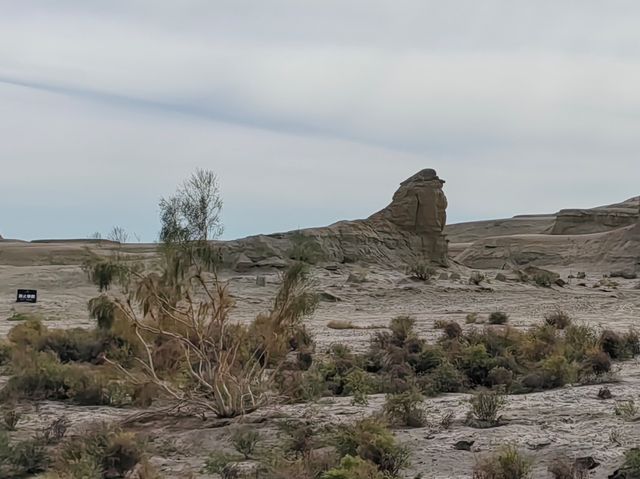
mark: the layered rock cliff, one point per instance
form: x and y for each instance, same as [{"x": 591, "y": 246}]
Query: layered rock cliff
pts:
[{"x": 410, "y": 228}]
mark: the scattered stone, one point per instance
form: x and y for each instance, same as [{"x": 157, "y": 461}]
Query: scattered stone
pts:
[
  {"x": 463, "y": 445},
  {"x": 261, "y": 280},
  {"x": 587, "y": 463},
  {"x": 623, "y": 274},
  {"x": 243, "y": 263},
  {"x": 605, "y": 393},
  {"x": 581, "y": 275},
  {"x": 357, "y": 278},
  {"x": 272, "y": 262},
  {"x": 560, "y": 282},
  {"x": 501, "y": 277},
  {"x": 241, "y": 470},
  {"x": 443, "y": 276},
  {"x": 331, "y": 267},
  {"x": 454, "y": 277}
]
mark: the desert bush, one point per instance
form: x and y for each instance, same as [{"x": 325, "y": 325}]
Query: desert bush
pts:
[
  {"x": 218, "y": 461},
  {"x": 485, "y": 408},
  {"x": 613, "y": 344},
  {"x": 505, "y": 464},
  {"x": 500, "y": 376},
  {"x": 446, "y": 378},
  {"x": 11, "y": 418},
  {"x": 558, "y": 319},
  {"x": 402, "y": 328},
  {"x": 578, "y": 340},
  {"x": 498, "y": 317},
  {"x": 55, "y": 431},
  {"x": 476, "y": 362},
  {"x": 421, "y": 270},
  {"x": 476, "y": 278},
  {"x": 351, "y": 467},
  {"x": 544, "y": 279},
  {"x": 102, "y": 309},
  {"x": 371, "y": 440},
  {"x": 627, "y": 410},
  {"x": 565, "y": 468},
  {"x": 107, "y": 447},
  {"x": 471, "y": 318},
  {"x": 631, "y": 465},
  {"x": 557, "y": 371},
  {"x": 301, "y": 437},
  {"x": 245, "y": 440},
  {"x": 405, "y": 409},
  {"x": 597, "y": 362},
  {"x": 452, "y": 330},
  {"x": 359, "y": 386}
]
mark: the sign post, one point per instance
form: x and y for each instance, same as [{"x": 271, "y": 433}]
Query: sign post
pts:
[{"x": 27, "y": 296}]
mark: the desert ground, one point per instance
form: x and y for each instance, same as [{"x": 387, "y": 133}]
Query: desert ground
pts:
[{"x": 569, "y": 420}]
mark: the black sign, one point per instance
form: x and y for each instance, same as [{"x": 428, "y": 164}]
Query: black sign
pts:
[{"x": 27, "y": 296}]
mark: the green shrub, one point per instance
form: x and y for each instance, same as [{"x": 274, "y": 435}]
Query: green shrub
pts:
[
  {"x": 627, "y": 410},
  {"x": 105, "y": 446},
  {"x": 544, "y": 279},
  {"x": 405, "y": 409},
  {"x": 631, "y": 465},
  {"x": 305, "y": 249},
  {"x": 371, "y": 440},
  {"x": 557, "y": 371},
  {"x": 11, "y": 418},
  {"x": 505, "y": 464},
  {"x": 475, "y": 362},
  {"x": 498, "y": 317},
  {"x": 245, "y": 440},
  {"x": 102, "y": 309},
  {"x": 402, "y": 328},
  {"x": 354, "y": 468},
  {"x": 558, "y": 319},
  {"x": 421, "y": 270},
  {"x": 452, "y": 330},
  {"x": 29, "y": 457},
  {"x": 217, "y": 461},
  {"x": 359, "y": 386},
  {"x": 485, "y": 408}
]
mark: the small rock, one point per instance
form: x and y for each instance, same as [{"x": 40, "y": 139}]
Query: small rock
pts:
[
  {"x": 243, "y": 263},
  {"x": 272, "y": 262},
  {"x": 454, "y": 277},
  {"x": 331, "y": 267},
  {"x": 443, "y": 276},
  {"x": 501, "y": 277},
  {"x": 586, "y": 463},
  {"x": 261, "y": 280},
  {"x": 357, "y": 278},
  {"x": 605, "y": 393},
  {"x": 463, "y": 445},
  {"x": 560, "y": 282}
]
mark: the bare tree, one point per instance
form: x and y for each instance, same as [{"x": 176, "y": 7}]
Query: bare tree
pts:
[
  {"x": 193, "y": 212},
  {"x": 118, "y": 234}
]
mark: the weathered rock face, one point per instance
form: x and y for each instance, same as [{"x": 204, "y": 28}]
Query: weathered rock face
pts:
[
  {"x": 410, "y": 228},
  {"x": 596, "y": 220},
  {"x": 419, "y": 206}
]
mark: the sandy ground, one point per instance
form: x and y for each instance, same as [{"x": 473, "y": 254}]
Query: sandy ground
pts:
[{"x": 570, "y": 420}]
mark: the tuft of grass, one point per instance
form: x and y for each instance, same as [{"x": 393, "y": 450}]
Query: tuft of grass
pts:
[
  {"x": 485, "y": 408},
  {"x": 508, "y": 463},
  {"x": 498, "y": 317}
]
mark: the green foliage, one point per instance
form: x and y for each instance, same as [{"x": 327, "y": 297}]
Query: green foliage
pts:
[
  {"x": 193, "y": 212},
  {"x": 358, "y": 384},
  {"x": 544, "y": 279},
  {"x": 23, "y": 458},
  {"x": 11, "y": 418},
  {"x": 421, "y": 270},
  {"x": 371, "y": 440},
  {"x": 217, "y": 461},
  {"x": 102, "y": 309},
  {"x": 558, "y": 319},
  {"x": 505, "y": 464},
  {"x": 103, "y": 447},
  {"x": 485, "y": 408},
  {"x": 354, "y": 468},
  {"x": 405, "y": 408},
  {"x": 631, "y": 465},
  {"x": 245, "y": 440},
  {"x": 498, "y": 317}
]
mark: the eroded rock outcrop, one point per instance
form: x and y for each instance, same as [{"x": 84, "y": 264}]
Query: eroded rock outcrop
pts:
[
  {"x": 410, "y": 228},
  {"x": 596, "y": 220}
]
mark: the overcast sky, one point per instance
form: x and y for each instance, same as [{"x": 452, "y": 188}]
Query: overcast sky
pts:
[{"x": 312, "y": 111}]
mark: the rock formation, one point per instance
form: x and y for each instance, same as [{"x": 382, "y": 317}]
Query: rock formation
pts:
[
  {"x": 410, "y": 228},
  {"x": 596, "y": 220}
]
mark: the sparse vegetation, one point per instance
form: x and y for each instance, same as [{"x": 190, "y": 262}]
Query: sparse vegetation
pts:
[
  {"x": 558, "y": 319},
  {"x": 421, "y": 270},
  {"x": 485, "y": 408},
  {"x": 508, "y": 463},
  {"x": 498, "y": 317},
  {"x": 245, "y": 440},
  {"x": 405, "y": 408}
]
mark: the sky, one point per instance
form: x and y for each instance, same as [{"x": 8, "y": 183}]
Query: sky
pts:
[{"x": 311, "y": 111}]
